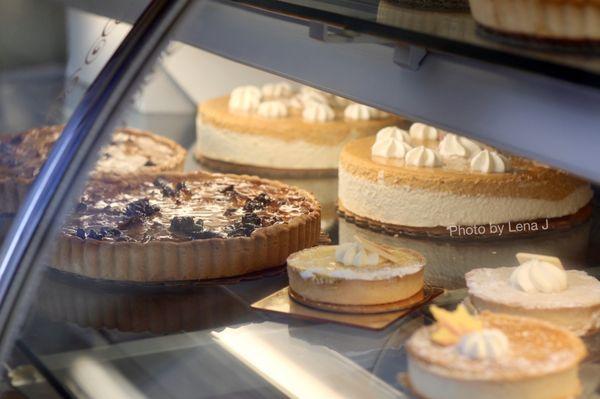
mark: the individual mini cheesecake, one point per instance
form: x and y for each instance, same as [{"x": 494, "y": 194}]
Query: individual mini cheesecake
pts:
[
  {"x": 129, "y": 152},
  {"x": 539, "y": 287},
  {"x": 430, "y": 182},
  {"x": 493, "y": 356},
  {"x": 279, "y": 130},
  {"x": 360, "y": 273}
]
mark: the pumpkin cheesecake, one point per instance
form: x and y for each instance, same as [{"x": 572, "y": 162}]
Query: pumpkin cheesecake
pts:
[
  {"x": 539, "y": 287},
  {"x": 430, "y": 182},
  {"x": 130, "y": 151},
  {"x": 171, "y": 227},
  {"x": 358, "y": 273},
  {"x": 280, "y": 130},
  {"x": 491, "y": 356}
]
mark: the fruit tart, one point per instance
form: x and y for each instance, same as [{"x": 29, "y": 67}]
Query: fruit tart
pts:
[
  {"x": 194, "y": 226},
  {"x": 130, "y": 151}
]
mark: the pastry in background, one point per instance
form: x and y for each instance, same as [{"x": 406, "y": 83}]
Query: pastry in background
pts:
[
  {"x": 280, "y": 130},
  {"x": 491, "y": 356},
  {"x": 539, "y": 287},
  {"x": 129, "y": 152},
  {"x": 567, "y": 21},
  {"x": 358, "y": 273},
  {"x": 428, "y": 182}
]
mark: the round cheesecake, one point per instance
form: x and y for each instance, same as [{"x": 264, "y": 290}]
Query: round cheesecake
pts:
[
  {"x": 317, "y": 276},
  {"x": 567, "y": 298},
  {"x": 285, "y": 134},
  {"x": 511, "y": 357},
  {"x": 475, "y": 193}
]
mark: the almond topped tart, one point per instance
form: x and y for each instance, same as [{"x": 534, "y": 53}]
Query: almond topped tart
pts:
[
  {"x": 493, "y": 356},
  {"x": 179, "y": 227},
  {"x": 279, "y": 130},
  {"x": 433, "y": 183},
  {"x": 358, "y": 277},
  {"x": 539, "y": 287},
  {"x": 130, "y": 151}
]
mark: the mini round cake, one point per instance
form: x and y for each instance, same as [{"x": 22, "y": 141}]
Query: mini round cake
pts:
[
  {"x": 356, "y": 274},
  {"x": 434, "y": 183},
  {"x": 493, "y": 356},
  {"x": 539, "y": 287},
  {"x": 130, "y": 151},
  {"x": 277, "y": 130},
  {"x": 172, "y": 227},
  {"x": 565, "y": 20}
]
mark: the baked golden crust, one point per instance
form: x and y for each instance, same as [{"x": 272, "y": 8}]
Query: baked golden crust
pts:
[
  {"x": 537, "y": 348},
  {"x": 527, "y": 179},
  {"x": 160, "y": 260},
  {"x": 14, "y": 185},
  {"x": 215, "y": 112}
]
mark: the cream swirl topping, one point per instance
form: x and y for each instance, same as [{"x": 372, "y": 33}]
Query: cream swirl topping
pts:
[
  {"x": 487, "y": 161},
  {"x": 272, "y": 109},
  {"x": 488, "y": 343},
  {"x": 355, "y": 254},
  {"x": 422, "y": 132},
  {"x": 390, "y": 148},
  {"x": 317, "y": 112},
  {"x": 537, "y": 275},
  {"x": 422, "y": 156},
  {"x": 276, "y": 90},
  {"x": 393, "y": 132},
  {"x": 245, "y": 99},
  {"x": 453, "y": 145},
  {"x": 361, "y": 112}
]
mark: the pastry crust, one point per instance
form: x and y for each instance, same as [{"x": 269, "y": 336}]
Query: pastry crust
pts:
[
  {"x": 15, "y": 186},
  {"x": 570, "y": 20},
  {"x": 167, "y": 260}
]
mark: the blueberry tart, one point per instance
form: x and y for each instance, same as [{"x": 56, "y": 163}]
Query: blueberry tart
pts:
[
  {"x": 193, "y": 226},
  {"x": 130, "y": 151}
]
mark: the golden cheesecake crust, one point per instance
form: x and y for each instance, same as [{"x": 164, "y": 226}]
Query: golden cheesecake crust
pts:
[
  {"x": 527, "y": 179},
  {"x": 216, "y": 112}
]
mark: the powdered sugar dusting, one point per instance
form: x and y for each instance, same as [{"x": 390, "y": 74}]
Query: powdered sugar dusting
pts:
[{"x": 494, "y": 285}]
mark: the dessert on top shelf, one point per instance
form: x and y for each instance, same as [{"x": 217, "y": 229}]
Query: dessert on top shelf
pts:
[
  {"x": 281, "y": 130},
  {"x": 428, "y": 182}
]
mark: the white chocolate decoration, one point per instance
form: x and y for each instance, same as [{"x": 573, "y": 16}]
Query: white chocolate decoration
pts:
[
  {"x": 244, "y": 99},
  {"x": 488, "y": 343},
  {"x": 422, "y": 132},
  {"x": 422, "y": 157},
  {"x": 389, "y": 147},
  {"x": 523, "y": 257},
  {"x": 276, "y": 90},
  {"x": 361, "y": 112},
  {"x": 489, "y": 162},
  {"x": 355, "y": 254},
  {"x": 307, "y": 98},
  {"x": 393, "y": 132},
  {"x": 539, "y": 276},
  {"x": 317, "y": 112},
  {"x": 456, "y": 146},
  {"x": 272, "y": 109}
]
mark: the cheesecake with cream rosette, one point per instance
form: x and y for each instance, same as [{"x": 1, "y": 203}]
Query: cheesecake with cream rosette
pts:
[
  {"x": 281, "y": 130},
  {"x": 356, "y": 274},
  {"x": 492, "y": 356},
  {"x": 425, "y": 181},
  {"x": 539, "y": 287}
]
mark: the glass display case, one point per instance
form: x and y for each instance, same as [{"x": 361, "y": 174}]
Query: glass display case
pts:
[{"x": 186, "y": 149}]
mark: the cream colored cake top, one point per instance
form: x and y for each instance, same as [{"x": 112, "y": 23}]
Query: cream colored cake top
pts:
[
  {"x": 582, "y": 290},
  {"x": 354, "y": 262},
  {"x": 286, "y": 113},
  {"x": 533, "y": 348},
  {"x": 524, "y": 178}
]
